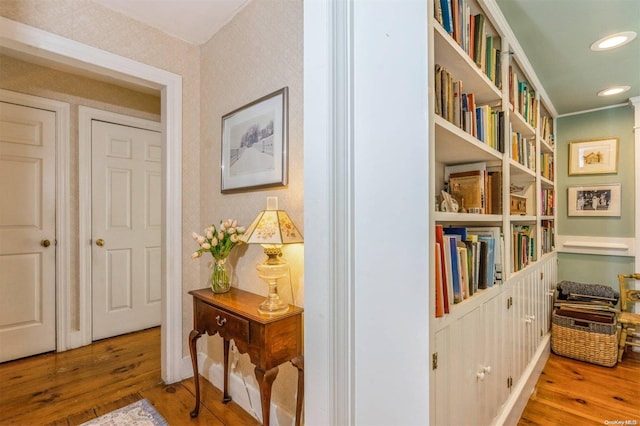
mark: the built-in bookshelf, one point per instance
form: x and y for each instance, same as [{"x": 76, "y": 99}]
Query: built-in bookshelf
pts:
[
  {"x": 492, "y": 145},
  {"x": 489, "y": 116}
]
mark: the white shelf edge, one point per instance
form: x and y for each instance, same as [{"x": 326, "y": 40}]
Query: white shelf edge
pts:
[
  {"x": 604, "y": 246},
  {"x": 520, "y": 218},
  {"x": 521, "y": 168},
  {"x": 466, "y": 217}
]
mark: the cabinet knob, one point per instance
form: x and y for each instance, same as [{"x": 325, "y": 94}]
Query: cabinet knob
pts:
[
  {"x": 480, "y": 375},
  {"x": 100, "y": 242},
  {"x": 487, "y": 369},
  {"x": 45, "y": 243},
  {"x": 220, "y": 321}
]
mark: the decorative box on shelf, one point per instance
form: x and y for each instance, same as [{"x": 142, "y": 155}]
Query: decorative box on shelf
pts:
[{"x": 518, "y": 204}]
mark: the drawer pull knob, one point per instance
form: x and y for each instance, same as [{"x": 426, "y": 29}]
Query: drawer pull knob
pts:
[{"x": 219, "y": 321}]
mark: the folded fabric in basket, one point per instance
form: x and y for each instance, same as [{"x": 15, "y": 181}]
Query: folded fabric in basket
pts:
[{"x": 569, "y": 290}]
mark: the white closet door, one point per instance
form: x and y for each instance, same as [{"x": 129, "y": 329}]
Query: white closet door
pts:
[
  {"x": 27, "y": 231},
  {"x": 126, "y": 220}
]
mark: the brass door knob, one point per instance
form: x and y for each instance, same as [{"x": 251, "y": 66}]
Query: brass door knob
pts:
[
  {"x": 45, "y": 243},
  {"x": 99, "y": 242}
]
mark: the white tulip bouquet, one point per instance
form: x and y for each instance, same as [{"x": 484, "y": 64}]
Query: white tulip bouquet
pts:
[{"x": 219, "y": 242}]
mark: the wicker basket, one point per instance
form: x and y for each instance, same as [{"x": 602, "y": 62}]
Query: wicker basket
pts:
[{"x": 584, "y": 340}]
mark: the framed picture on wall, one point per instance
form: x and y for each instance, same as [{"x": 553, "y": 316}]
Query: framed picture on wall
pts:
[
  {"x": 254, "y": 144},
  {"x": 594, "y": 200},
  {"x": 593, "y": 157}
]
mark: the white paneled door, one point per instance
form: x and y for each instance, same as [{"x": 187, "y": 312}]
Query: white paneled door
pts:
[
  {"x": 125, "y": 222},
  {"x": 27, "y": 231}
]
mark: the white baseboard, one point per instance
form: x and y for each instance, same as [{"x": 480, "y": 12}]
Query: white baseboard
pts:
[
  {"x": 242, "y": 391},
  {"x": 515, "y": 405}
]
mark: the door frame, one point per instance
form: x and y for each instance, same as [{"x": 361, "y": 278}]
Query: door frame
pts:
[
  {"x": 64, "y": 339},
  {"x": 85, "y": 117},
  {"x": 53, "y": 48}
]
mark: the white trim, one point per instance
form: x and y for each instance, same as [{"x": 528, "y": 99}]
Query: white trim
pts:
[
  {"x": 36, "y": 42},
  {"x": 569, "y": 114},
  {"x": 493, "y": 10},
  {"x": 329, "y": 267},
  {"x": 65, "y": 338},
  {"x": 85, "y": 116},
  {"x": 635, "y": 103},
  {"x": 605, "y": 246}
]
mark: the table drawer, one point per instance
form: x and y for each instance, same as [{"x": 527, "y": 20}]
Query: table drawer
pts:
[{"x": 225, "y": 323}]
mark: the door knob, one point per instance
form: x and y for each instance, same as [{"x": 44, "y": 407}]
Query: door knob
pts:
[
  {"x": 99, "y": 242},
  {"x": 45, "y": 243}
]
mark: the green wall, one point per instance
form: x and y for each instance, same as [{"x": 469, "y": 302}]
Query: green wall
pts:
[{"x": 603, "y": 124}]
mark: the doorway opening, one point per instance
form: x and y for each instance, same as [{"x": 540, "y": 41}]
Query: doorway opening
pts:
[{"x": 51, "y": 48}]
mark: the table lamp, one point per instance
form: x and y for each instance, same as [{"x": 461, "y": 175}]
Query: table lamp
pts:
[{"x": 272, "y": 228}]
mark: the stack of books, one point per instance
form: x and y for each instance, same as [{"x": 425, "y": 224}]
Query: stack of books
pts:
[{"x": 591, "y": 302}]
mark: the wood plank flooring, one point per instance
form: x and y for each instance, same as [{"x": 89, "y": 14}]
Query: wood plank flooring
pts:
[
  {"x": 72, "y": 387},
  {"x": 571, "y": 392},
  {"x": 75, "y": 386}
]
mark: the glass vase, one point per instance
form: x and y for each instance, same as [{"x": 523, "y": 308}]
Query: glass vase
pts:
[{"x": 220, "y": 277}]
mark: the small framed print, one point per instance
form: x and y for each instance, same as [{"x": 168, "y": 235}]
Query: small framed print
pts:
[
  {"x": 594, "y": 200},
  {"x": 593, "y": 157},
  {"x": 254, "y": 144}
]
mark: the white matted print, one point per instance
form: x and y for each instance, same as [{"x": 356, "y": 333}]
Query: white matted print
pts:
[
  {"x": 593, "y": 157},
  {"x": 254, "y": 144},
  {"x": 594, "y": 200}
]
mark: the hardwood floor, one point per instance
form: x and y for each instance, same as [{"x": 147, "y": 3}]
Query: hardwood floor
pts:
[
  {"x": 75, "y": 386},
  {"x": 72, "y": 387},
  {"x": 571, "y": 392}
]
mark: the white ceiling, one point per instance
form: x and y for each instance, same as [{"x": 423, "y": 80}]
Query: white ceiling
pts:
[{"x": 193, "y": 21}]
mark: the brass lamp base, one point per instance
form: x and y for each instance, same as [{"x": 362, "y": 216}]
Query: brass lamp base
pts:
[{"x": 270, "y": 271}]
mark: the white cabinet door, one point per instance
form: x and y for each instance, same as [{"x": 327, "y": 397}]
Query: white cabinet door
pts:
[
  {"x": 444, "y": 385},
  {"x": 126, "y": 220},
  {"x": 27, "y": 223},
  {"x": 465, "y": 357},
  {"x": 494, "y": 389}
]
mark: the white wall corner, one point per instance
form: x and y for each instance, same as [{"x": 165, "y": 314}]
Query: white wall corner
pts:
[
  {"x": 635, "y": 102},
  {"x": 241, "y": 390}
]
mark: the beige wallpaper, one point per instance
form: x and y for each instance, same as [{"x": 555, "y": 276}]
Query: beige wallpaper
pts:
[
  {"x": 24, "y": 77},
  {"x": 258, "y": 52}
]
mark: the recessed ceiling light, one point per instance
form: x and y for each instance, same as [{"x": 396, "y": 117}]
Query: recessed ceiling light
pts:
[
  {"x": 615, "y": 90},
  {"x": 613, "y": 41}
]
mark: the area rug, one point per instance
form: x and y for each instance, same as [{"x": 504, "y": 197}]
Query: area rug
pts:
[{"x": 139, "y": 413}]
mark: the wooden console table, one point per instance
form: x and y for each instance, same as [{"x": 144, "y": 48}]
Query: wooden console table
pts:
[{"x": 270, "y": 340}]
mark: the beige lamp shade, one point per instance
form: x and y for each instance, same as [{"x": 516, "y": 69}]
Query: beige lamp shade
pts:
[{"x": 272, "y": 227}]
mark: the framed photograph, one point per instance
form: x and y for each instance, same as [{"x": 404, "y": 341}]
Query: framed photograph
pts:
[
  {"x": 594, "y": 200},
  {"x": 254, "y": 144},
  {"x": 593, "y": 157}
]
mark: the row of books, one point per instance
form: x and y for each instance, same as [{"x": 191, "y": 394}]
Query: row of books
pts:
[
  {"x": 547, "y": 200},
  {"x": 470, "y": 33},
  {"x": 475, "y": 187},
  {"x": 523, "y": 98},
  {"x": 484, "y": 122},
  {"x": 546, "y": 130},
  {"x": 523, "y": 150},
  {"x": 548, "y": 236},
  {"x": 523, "y": 246},
  {"x": 546, "y": 165},
  {"x": 467, "y": 260}
]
